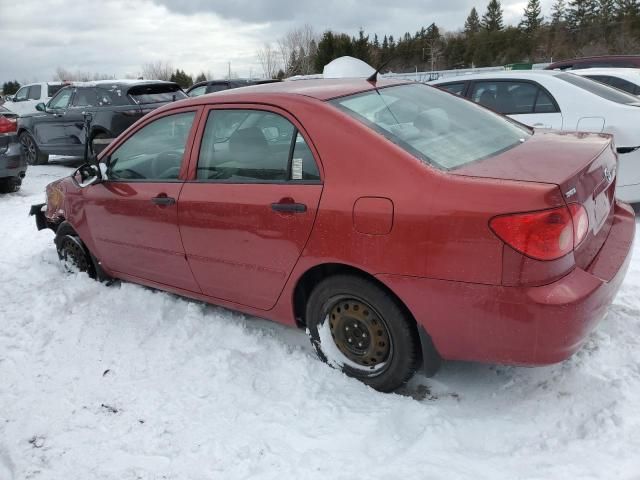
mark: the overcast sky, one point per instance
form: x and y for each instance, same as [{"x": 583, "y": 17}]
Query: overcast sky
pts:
[{"x": 119, "y": 36}]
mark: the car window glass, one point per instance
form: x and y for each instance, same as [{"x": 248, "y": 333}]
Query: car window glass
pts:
[
  {"x": 61, "y": 100},
  {"x": 621, "y": 84},
  {"x": 53, "y": 89},
  {"x": 456, "y": 88},
  {"x": 544, "y": 103},
  {"x": 154, "y": 152},
  {"x": 434, "y": 126},
  {"x": 253, "y": 146},
  {"x": 196, "y": 92},
  {"x": 22, "y": 93},
  {"x": 85, "y": 97},
  {"x": 508, "y": 98},
  {"x": 217, "y": 87},
  {"x": 600, "y": 89},
  {"x": 34, "y": 92}
]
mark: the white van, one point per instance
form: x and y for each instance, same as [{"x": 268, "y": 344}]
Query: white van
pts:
[{"x": 26, "y": 99}]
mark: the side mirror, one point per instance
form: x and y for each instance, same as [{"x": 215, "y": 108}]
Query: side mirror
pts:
[
  {"x": 87, "y": 174},
  {"x": 41, "y": 107}
]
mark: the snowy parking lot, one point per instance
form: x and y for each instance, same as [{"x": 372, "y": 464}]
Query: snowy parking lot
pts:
[{"x": 123, "y": 382}]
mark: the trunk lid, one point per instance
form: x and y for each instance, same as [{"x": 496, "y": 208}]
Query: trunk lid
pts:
[{"x": 582, "y": 165}]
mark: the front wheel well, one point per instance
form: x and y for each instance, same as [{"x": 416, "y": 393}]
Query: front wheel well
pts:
[{"x": 429, "y": 357}]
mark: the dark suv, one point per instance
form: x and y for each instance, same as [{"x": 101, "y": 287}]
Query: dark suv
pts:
[
  {"x": 211, "y": 86},
  {"x": 58, "y": 127}
]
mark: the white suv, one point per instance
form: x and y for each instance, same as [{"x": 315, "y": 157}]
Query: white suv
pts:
[{"x": 26, "y": 99}]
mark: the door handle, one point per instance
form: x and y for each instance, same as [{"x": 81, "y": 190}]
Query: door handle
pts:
[
  {"x": 289, "y": 207},
  {"x": 163, "y": 200}
]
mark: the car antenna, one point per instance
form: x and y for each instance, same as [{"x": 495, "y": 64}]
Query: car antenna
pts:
[{"x": 374, "y": 76}]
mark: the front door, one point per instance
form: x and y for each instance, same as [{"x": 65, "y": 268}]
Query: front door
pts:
[
  {"x": 49, "y": 129},
  {"x": 248, "y": 211},
  {"x": 133, "y": 214}
]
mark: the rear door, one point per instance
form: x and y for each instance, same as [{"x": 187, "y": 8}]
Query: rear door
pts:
[
  {"x": 249, "y": 208},
  {"x": 524, "y": 101},
  {"x": 133, "y": 215}
]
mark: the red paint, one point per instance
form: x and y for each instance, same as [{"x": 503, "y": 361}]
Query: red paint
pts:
[{"x": 424, "y": 233}]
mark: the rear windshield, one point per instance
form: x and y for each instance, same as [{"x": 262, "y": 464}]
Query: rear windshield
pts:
[
  {"x": 434, "y": 126},
  {"x": 53, "y": 89},
  {"x": 599, "y": 89},
  {"x": 158, "y": 93}
]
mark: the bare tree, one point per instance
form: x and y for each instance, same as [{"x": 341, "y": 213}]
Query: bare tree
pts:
[
  {"x": 62, "y": 74},
  {"x": 159, "y": 70},
  {"x": 297, "y": 50},
  {"x": 268, "y": 58}
]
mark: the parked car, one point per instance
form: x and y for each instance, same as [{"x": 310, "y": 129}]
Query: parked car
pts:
[
  {"x": 562, "y": 101},
  {"x": 603, "y": 61},
  {"x": 59, "y": 126},
  {"x": 626, "y": 79},
  {"x": 211, "y": 86},
  {"x": 26, "y": 98},
  {"x": 396, "y": 223},
  {"x": 13, "y": 166}
]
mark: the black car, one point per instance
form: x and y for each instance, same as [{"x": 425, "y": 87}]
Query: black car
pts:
[
  {"x": 111, "y": 106},
  {"x": 211, "y": 86},
  {"x": 12, "y": 164}
]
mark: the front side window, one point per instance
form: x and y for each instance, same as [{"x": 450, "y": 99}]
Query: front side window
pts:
[
  {"x": 34, "y": 92},
  {"x": 154, "y": 152},
  {"x": 61, "y": 100},
  {"x": 439, "y": 129},
  {"x": 85, "y": 97},
  {"x": 196, "y": 92},
  {"x": 22, "y": 94},
  {"x": 247, "y": 146}
]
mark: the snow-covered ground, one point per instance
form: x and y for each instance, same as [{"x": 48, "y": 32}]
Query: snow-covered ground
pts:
[{"x": 123, "y": 382}]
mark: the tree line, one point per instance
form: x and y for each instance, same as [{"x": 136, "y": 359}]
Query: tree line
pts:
[{"x": 571, "y": 29}]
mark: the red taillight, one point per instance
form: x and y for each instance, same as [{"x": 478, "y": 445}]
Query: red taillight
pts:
[
  {"x": 8, "y": 125},
  {"x": 544, "y": 235}
]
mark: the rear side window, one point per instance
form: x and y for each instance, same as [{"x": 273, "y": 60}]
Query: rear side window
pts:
[
  {"x": 456, "y": 88},
  {"x": 217, "y": 87},
  {"x": 53, "y": 89},
  {"x": 512, "y": 97},
  {"x": 247, "y": 146},
  {"x": 599, "y": 89},
  {"x": 156, "y": 93},
  {"x": 619, "y": 83},
  {"x": 154, "y": 152},
  {"x": 34, "y": 92}
]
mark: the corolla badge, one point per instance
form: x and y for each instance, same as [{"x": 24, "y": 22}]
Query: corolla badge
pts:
[{"x": 609, "y": 173}]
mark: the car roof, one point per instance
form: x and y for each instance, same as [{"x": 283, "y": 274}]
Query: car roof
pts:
[
  {"x": 615, "y": 72},
  {"x": 506, "y": 74},
  {"x": 323, "y": 89},
  {"x": 120, "y": 83}
]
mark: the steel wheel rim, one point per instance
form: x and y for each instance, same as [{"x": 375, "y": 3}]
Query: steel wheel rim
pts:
[{"x": 360, "y": 333}]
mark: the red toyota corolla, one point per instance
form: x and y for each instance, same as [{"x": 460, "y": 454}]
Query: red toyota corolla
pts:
[{"x": 396, "y": 223}]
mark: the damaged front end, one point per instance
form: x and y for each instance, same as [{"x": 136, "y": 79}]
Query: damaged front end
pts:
[{"x": 51, "y": 214}]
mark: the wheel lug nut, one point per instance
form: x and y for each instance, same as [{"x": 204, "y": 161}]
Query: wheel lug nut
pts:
[
  {"x": 346, "y": 329},
  {"x": 359, "y": 344},
  {"x": 350, "y": 340}
]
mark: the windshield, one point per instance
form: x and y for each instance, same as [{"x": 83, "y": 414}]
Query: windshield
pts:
[
  {"x": 159, "y": 93},
  {"x": 436, "y": 127},
  {"x": 599, "y": 89}
]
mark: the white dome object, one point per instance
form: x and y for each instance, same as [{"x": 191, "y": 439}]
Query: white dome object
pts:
[{"x": 347, "y": 67}]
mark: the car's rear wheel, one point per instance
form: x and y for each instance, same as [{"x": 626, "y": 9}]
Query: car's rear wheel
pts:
[
  {"x": 358, "y": 327},
  {"x": 98, "y": 142},
  {"x": 10, "y": 185},
  {"x": 74, "y": 255},
  {"x": 31, "y": 151}
]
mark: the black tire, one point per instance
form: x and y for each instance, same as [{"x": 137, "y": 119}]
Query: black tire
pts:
[
  {"x": 31, "y": 151},
  {"x": 10, "y": 185},
  {"x": 74, "y": 255},
  {"x": 387, "y": 351}
]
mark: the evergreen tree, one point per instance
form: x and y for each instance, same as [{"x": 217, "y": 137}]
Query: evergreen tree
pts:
[
  {"x": 627, "y": 8},
  {"x": 492, "y": 20},
  {"x": 201, "y": 78},
  {"x": 181, "y": 78},
  {"x": 10, "y": 88},
  {"x": 532, "y": 17},
  {"x": 472, "y": 24},
  {"x": 558, "y": 12},
  {"x": 581, "y": 13}
]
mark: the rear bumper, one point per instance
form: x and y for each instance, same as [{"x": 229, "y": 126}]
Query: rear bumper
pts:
[
  {"x": 521, "y": 325},
  {"x": 12, "y": 162}
]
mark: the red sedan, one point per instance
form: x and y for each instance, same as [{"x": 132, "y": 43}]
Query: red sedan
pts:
[{"x": 396, "y": 223}]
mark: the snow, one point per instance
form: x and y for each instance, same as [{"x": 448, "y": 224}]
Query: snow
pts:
[{"x": 123, "y": 382}]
